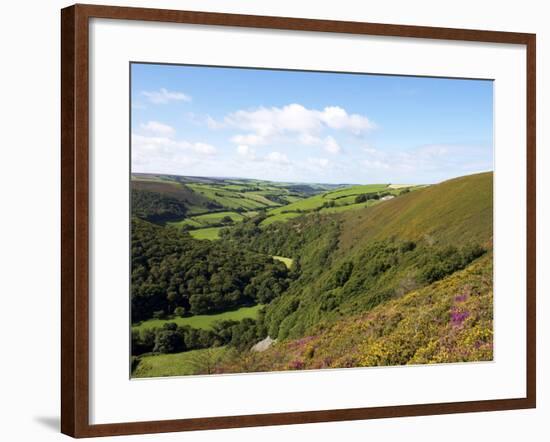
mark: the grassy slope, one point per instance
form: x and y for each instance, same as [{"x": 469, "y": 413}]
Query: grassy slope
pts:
[
  {"x": 177, "y": 364},
  {"x": 447, "y": 321},
  {"x": 174, "y": 189},
  {"x": 286, "y": 261},
  {"x": 202, "y": 321},
  {"x": 209, "y": 233},
  {"x": 207, "y": 219},
  {"x": 201, "y": 195},
  {"x": 451, "y": 212},
  {"x": 343, "y": 198},
  {"x": 456, "y": 212},
  {"x": 232, "y": 199},
  {"x": 280, "y": 217}
]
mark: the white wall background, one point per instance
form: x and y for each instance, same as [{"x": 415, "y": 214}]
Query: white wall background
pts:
[{"x": 29, "y": 225}]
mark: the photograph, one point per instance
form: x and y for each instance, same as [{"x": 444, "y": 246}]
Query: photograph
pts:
[{"x": 307, "y": 220}]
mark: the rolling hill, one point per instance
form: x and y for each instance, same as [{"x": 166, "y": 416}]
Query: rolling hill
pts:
[
  {"x": 354, "y": 261},
  {"x": 448, "y": 321},
  {"x": 337, "y": 201},
  {"x": 372, "y": 275},
  {"x": 195, "y": 202}
]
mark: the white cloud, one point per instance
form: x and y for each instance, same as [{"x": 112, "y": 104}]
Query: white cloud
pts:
[
  {"x": 203, "y": 148},
  {"x": 336, "y": 117},
  {"x": 157, "y": 128},
  {"x": 277, "y": 158},
  {"x": 252, "y": 139},
  {"x": 214, "y": 124},
  {"x": 160, "y": 155},
  {"x": 246, "y": 151},
  {"x": 427, "y": 160},
  {"x": 370, "y": 150},
  {"x": 329, "y": 144},
  {"x": 151, "y": 148},
  {"x": 163, "y": 96},
  {"x": 267, "y": 122},
  {"x": 305, "y": 126},
  {"x": 323, "y": 163},
  {"x": 376, "y": 164}
]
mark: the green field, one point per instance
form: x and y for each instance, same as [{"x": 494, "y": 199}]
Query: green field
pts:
[
  {"x": 177, "y": 364},
  {"x": 201, "y": 194},
  {"x": 210, "y": 233},
  {"x": 342, "y": 198},
  {"x": 286, "y": 261},
  {"x": 389, "y": 280},
  {"x": 231, "y": 199},
  {"x": 216, "y": 217},
  {"x": 202, "y": 321},
  {"x": 279, "y": 217}
]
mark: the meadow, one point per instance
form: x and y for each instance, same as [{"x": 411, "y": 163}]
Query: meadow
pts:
[
  {"x": 178, "y": 364},
  {"x": 201, "y": 321},
  {"x": 286, "y": 261},
  {"x": 209, "y": 233}
]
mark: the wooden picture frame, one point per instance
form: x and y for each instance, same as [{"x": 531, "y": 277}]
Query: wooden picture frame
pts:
[{"x": 75, "y": 379}]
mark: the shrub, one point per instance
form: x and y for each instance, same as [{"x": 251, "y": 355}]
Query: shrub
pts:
[
  {"x": 179, "y": 311},
  {"x": 159, "y": 314}
]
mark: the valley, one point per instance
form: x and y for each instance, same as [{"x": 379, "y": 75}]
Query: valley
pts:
[{"x": 339, "y": 275}]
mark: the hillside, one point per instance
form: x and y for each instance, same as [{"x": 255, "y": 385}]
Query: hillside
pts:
[
  {"x": 352, "y": 279},
  {"x": 354, "y": 261},
  {"x": 337, "y": 200},
  {"x": 447, "y": 321},
  {"x": 453, "y": 211},
  {"x": 200, "y": 204}
]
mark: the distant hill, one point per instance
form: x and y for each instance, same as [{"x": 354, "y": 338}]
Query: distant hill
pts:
[{"x": 180, "y": 197}]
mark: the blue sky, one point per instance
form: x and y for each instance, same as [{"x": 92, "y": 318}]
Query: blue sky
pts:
[{"x": 309, "y": 126}]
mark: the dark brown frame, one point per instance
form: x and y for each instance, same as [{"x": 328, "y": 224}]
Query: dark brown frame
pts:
[{"x": 74, "y": 220}]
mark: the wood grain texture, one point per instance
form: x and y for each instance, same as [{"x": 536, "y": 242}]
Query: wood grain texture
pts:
[{"x": 75, "y": 219}]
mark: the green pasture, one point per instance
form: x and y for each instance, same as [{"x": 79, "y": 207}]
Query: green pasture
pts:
[
  {"x": 209, "y": 233},
  {"x": 286, "y": 261},
  {"x": 202, "y": 321},
  {"x": 177, "y": 364}
]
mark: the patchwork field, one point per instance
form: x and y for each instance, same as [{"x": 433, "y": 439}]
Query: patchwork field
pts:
[
  {"x": 200, "y": 204},
  {"x": 212, "y": 203},
  {"x": 336, "y": 201}
]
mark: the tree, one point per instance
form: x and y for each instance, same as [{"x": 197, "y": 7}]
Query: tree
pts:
[
  {"x": 171, "y": 270},
  {"x": 360, "y": 198},
  {"x": 205, "y": 361},
  {"x": 179, "y": 311},
  {"x": 159, "y": 314},
  {"x": 168, "y": 340}
]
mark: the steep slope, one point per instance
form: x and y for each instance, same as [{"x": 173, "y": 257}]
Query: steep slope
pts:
[
  {"x": 447, "y": 321},
  {"x": 353, "y": 261},
  {"x": 152, "y": 198},
  {"x": 450, "y": 212}
]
